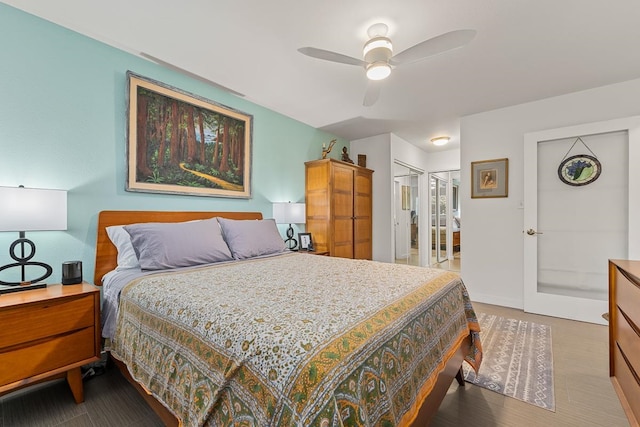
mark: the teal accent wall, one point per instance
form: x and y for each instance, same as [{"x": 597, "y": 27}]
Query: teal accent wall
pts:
[{"x": 63, "y": 126}]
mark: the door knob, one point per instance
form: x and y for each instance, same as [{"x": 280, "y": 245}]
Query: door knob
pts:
[{"x": 532, "y": 232}]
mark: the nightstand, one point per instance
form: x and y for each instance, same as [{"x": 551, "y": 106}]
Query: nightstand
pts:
[
  {"x": 47, "y": 333},
  {"x": 325, "y": 253}
]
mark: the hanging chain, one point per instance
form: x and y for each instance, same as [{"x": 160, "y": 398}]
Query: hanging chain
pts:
[{"x": 583, "y": 143}]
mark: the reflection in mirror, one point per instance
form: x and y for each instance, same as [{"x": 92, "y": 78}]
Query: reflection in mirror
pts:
[
  {"x": 444, "y": 198},
  {"x": 406, "y": 215}
]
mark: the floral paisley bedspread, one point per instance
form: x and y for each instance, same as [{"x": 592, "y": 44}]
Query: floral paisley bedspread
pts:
[{"x": 294, "y": 340}]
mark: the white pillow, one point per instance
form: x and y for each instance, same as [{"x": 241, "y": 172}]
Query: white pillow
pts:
[{"x": 127, "y": 258}]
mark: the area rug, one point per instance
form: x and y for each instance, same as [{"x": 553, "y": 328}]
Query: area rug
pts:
[{"x": 517, "y": 360}]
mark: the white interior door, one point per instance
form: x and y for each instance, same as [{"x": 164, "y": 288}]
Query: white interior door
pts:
[{"x": 570, "y": 232}]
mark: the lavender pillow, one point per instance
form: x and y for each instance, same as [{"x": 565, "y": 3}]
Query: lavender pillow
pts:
[
  {"x": 251, "y": 238},
  {"x": 161, "y": 246}
]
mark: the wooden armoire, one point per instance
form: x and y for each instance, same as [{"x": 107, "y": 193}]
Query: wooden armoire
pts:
[{"x": 338, "y": 198}]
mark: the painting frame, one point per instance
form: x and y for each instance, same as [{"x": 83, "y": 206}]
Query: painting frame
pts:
[
  {"x": 490, "y": 178},
  {"x": 454, "y": 197},
  {"x": 183, "y": 144},
  {"x": 406, "y": 197},
  {"x": 305, "y": 241}
]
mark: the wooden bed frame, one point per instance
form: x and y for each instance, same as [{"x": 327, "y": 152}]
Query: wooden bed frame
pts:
[{"x": 106, "y": 260}]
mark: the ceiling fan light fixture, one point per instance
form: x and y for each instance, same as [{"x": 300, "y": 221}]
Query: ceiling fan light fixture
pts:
[
  {"x": 440, "y": 140},
  {"x": 378, "y": 70}
]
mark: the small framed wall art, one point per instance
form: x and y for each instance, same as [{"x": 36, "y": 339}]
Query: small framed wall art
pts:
[
  {"x": 306, "y": 241},
  {"x": 490, "y": 178}
]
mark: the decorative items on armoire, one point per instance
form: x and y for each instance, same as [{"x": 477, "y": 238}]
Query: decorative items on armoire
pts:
[{"x": 326, "y": 150}]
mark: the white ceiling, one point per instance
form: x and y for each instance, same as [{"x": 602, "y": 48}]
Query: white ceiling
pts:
[{"x": 524, "y": 50}]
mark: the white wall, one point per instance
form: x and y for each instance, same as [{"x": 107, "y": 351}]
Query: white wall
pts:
[
  {"x": 378, "y": 151},
  {"x": 492, "y": 237},
  {"x": 448, "y": 160},
  {"x": 382, "y": 151}
]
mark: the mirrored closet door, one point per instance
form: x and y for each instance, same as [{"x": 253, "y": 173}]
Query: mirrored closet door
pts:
[
  {"x": 444, "y": 214},
  {"x": 406, "y": 214}
]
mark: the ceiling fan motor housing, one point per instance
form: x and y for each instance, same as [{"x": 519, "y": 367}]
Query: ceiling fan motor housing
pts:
[{"x": 378, "y": 49}]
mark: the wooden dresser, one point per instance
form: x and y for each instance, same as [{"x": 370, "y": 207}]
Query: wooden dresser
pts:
[
  {"x": 338, "y": 198},
  {"x": 47, "y": 333},
  {"x": 624, "y": 334}
]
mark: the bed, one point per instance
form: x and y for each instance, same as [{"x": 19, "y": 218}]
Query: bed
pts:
[{"x": 279, "y": 338}]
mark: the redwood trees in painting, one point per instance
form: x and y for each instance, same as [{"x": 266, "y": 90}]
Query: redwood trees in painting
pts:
[{"x": 184, "y": 144}]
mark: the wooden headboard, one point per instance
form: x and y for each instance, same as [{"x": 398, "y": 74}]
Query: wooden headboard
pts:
[{"x": 106, "y": 253}]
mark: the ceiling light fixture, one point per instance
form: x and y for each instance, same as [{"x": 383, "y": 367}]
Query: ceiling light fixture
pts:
[
  {"x": 440, "y": 140},
  {"x": 378, "y": 71},
  {"x": 377, "y": 53}
]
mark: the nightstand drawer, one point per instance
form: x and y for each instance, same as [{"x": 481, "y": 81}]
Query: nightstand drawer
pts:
[
  {"x": 47, "y": 355},
  {"x": 45, "y": 319}
]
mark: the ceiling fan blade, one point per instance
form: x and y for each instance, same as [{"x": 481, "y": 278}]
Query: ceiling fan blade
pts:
[
  {"x": 434, "y": 46},
  {"x": 327, "y": 55},
  {"x": 372, "y": 93}
]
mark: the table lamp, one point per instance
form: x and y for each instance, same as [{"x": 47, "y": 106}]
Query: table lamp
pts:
[
  {"x": 30, "y": 209},
  {"x": 289, "y": 213}
]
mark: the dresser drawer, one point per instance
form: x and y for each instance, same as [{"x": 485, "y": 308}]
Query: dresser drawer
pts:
[
  {"x": 628, "y": 297},
  {"x": 45, "y": 319},
  {"x": 629, "y": 341},
  {"x": 628, "y": 384},
  {"x": 47, "y": 355}
]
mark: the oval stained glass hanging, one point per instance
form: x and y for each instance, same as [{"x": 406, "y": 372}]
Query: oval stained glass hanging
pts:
[{"x": 580, "y": 169}]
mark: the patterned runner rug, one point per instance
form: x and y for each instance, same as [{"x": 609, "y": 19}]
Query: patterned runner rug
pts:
[{"x": 517, "y": 360}]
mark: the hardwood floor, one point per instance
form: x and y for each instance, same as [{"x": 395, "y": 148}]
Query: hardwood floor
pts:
[
  {"x": 451, "y": 265},
  {"x": 583, "y": 391},
  {"x": 109, "y": 401},
  {"x": 584, "y": 394}
]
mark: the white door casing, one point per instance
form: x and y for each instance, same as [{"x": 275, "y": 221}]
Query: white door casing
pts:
[{"x": 571, "y": 307}]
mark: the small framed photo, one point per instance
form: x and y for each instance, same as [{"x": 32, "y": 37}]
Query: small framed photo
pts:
[
  {"x": 490, "y": 178},
  {"x": 306, "y": 243}
]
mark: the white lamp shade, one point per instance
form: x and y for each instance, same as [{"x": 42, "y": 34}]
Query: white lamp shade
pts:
[
  {"x": 32, "y": 209},
  {"x": 289, "y": 213}
]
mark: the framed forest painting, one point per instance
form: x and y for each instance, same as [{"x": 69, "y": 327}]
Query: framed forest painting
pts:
[{"x": 180, "y": 143}]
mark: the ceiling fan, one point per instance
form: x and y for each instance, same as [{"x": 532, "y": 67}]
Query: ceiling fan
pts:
[{"x": 378, "y": 59}]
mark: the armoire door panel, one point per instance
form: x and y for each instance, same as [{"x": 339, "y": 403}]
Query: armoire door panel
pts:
[
  {"x": 363, "y": 183},
  {"x": 342, "y": 205},
  {"x": 362, "y": 206},
  {"x": 342, "y": 251},
  {"x": 361, "y": 226},
  {"x": 362, "y": 250},
  {"x": 316, "y": 179},
  {"x": 343, "y": 231},
  {"x": 343, "y": 179},
  {"x": 317, "y": 205}
]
